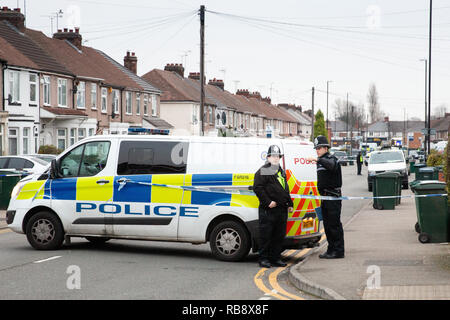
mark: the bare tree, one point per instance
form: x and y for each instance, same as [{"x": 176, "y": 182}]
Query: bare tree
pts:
[
  {"x": 439, "y": 111},
  {"x": 356, "y": 113},
  {"x": 375, "y": 112}
]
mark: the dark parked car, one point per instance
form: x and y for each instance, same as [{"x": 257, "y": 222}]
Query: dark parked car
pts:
[{"x": 342, "y": 157}]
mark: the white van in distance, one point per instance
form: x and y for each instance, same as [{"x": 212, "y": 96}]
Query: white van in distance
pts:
[{"x": 163, "y": 188}]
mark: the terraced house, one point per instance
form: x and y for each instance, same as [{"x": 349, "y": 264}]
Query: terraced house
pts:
[
  {"x": 57, "y": 91},
  {"x": 242, "y": 114}
]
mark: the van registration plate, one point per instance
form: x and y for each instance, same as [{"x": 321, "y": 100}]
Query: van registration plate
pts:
[{"x": 307, "y": 224}]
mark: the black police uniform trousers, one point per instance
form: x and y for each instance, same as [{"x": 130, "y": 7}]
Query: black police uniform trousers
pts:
[
  {"x": 359, "y": 165},
  {"x": 331, "y": 215},
  {"x": 272, "y": 231}
]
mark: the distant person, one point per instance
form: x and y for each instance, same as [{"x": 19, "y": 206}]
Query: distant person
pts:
[{"x": 359, "y": 162}]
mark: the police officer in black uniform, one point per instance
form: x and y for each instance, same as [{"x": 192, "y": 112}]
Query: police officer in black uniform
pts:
[
  {"x": 271, "y": 188},
  {"x": 329, "y": 182}
]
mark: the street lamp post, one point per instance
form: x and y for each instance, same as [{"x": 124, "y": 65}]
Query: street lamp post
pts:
[
  {"x": 327, "y": 103},
  {"x": 426, "y": 116}
]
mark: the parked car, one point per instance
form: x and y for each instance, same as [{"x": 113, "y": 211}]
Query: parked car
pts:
[
  {"x": 26, "y": 163},
  {"x": 342, "y": 157},
  {"x": 387, "y": 160},
  {"x": 46, "y": 157}
]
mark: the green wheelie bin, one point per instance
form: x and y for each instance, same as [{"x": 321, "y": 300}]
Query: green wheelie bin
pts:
[
  {"x": 411, "y": 166},
  {"x": 385, "y": 184},
  {"x": 8, "y": 180},
  {"x": 399, "y": 189},
  {"x": 427, "y": 173},
  {"x": 417, "y": 166},
  {"x": 432, "y": 212}
]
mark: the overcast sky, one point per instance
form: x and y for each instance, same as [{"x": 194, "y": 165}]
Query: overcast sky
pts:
[{"x": 280, "y": 48}]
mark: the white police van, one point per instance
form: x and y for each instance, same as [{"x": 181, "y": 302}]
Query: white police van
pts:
[{"x": 167, "y": 188}]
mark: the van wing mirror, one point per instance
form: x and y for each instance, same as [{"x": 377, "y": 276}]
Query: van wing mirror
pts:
[{"x": 54, "y": 170}]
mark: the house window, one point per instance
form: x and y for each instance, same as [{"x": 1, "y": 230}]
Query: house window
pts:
[
  {"x": 116, "y": 94},
  {"x": 145, "y": 104},
  {"x": 62, "y": 92},
  {"x": 62, "y": 136},
  {"x": 33, "y": 88},
  {"x": 128, "y": 102},
  {"x": 154, "y": 113},
  {"x": 46, "y": 90},
  {"x": 73, "y": 132},
  {"x": 104, "y": 100},
  {"x": 81, "y": 95},
  {"x": 91, "y": 132},
  {"x": 26, "y": 140},
  {"x": 138, "y": 103},
  {"x": 93, "y": 96},
  {"x": 14, "y": 86},
  {"x": 194, "y": 114},
  {"x": 211, "y": 116},
  {"x": 12, "y": 139},
  {"x": 81, "y": 133}
]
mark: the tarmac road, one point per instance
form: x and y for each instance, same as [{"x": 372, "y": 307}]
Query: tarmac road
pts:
[{"x": 147, "y": 270}]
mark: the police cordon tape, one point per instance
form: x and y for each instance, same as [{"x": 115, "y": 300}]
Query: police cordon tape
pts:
[
  {"x": 251, "y": 193},
  {"x": 14, "y": 175}
]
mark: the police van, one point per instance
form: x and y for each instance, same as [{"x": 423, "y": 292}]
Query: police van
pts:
[{"x": 163, "y": 188}]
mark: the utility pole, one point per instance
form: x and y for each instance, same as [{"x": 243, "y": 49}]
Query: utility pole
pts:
[
  {"x": 312, "y": 115},
  {"x": 202, "y": 67},
  {"x": 429, "y": 80},
  {"x": 426, "y": 117},
  {"x": 327, "y": 104},
  {"x": 346, "y": 126},
  {"x": 351, "y": 132}
]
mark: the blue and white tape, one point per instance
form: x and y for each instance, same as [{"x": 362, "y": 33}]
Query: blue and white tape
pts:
[{"x": 251, "y": 193}]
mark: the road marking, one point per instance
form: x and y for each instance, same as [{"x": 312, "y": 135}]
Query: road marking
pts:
[
  {"x": 277, "y": 291},
  {"x": 273, "y": 280},
  {"x": 48, "y": 259},
  {"x": 260, "y": 284},
  {"x": 6, "y": 230}
]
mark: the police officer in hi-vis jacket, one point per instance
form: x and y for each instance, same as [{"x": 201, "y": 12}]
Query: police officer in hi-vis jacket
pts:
[
  {"x": 271, "y": 188},
  {"x": 329, "y": 183}
]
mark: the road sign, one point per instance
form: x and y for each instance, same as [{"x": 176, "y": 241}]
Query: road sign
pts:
[{"x": 432, "y": 131}]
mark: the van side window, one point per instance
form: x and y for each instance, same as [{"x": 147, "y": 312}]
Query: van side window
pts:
[
  {"x": 85, "y": 160},
  {"x": 152, "y": 157}
]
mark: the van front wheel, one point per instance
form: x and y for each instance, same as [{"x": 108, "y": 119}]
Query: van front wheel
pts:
[
  {"x": 229, "y": 241},
  {"x": 44, "y": 231}
]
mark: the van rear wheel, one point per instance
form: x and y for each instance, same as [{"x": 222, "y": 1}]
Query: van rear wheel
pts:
[
  {"x": 229, "y": 241},
  {"x": 44, "y": 231}
]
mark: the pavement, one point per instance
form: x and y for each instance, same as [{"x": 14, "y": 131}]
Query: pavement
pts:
[
  {"x": 383, "y": 260},
  {"x": 3, "y": 219}
]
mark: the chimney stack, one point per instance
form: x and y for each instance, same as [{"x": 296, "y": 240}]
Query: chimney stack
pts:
[
  {"x": 71, "y": 36},
  {"x": 386, "y": 119},
  {"x": 255, "y": 95},
  {"x": 130, "y": 62},
  {"x": 194, "y": 76},
  {"x": 14, "y": 17},
  {"x": 243, "y": 92},
  {"x": 178, "y": 68},
  {"x": 218, "y": 83},
  {"x": 267, "y": 100}
]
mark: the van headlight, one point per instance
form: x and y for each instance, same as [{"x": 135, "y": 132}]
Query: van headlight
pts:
[{"x": 16, "y": 190}]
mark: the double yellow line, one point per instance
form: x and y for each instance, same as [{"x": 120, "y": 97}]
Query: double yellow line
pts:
[
  {"x": 5, "y": 230},
  {"x": 276, "y": 290}
]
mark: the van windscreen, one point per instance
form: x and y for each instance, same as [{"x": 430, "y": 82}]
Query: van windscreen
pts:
[{"x": 152, "y": 157}]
